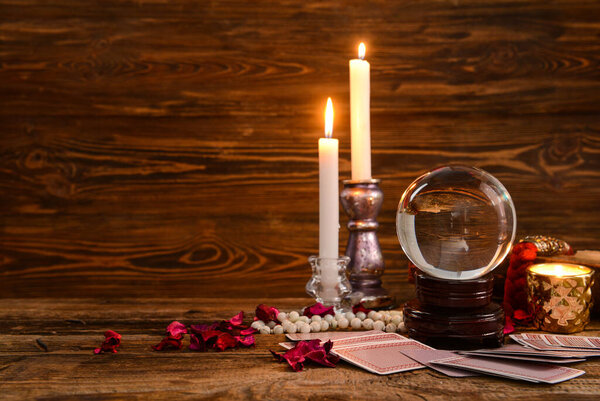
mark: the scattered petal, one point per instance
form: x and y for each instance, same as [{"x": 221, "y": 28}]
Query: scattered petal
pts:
[
  {"x": 360, "y": 307},
  {"x": 318, "y": 309},
  {"x": 308, "y": 350},
  {"x": 237, "y": 319},
  {"x": 266, "y": 313},
  {"x": 199, "y": 328},
  {"x": 224, "y": 341},
  {"x": 175, "y": 333},
  {"x": 210, "y": 335},
  {"x": 176, "y": 330},
  {"x": 248, "y": 331},
  {"x": 221, "y": 335},
  {"x": 112, "y": 341},
  {"x": 246, "y": 341},
  {"x": 197, "y": 344},
  {"x": 167, "y": 343}
]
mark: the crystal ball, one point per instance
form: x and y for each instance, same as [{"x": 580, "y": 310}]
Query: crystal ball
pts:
[{"x": 456, "y": 222}]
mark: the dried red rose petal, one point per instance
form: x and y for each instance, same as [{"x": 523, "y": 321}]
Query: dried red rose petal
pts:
[
  {"x": 234, "y": 326},
  {"x": 210, "y": 335},
  {"x": 318, "y": 309},
  {"x": 174, "y": 338},
  {"x": 308, "y": 350},
  {"x": 266, "y": 313},
  {"x": 246, "y": 341},
  {"x": 248, "y": 331},
  {"x": 238, "y": 319},
  {"x": 167, "y": 343},
  {"x": 197, "y": 344},
  {"x": 224, "y": 341},
  {"x": 176, "y": 330},
  {"x": 360, "y": 307},
  {"x": 221, "y": 335},
  {"x": 112, "y": 340},
  {"x": 198, "y": 328}
]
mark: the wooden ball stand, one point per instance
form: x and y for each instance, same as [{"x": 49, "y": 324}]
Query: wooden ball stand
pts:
[{"x": 454, "y": 314}]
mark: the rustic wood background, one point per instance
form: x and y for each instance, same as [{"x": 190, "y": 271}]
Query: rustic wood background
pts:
[{"x": 154, "y": 148}]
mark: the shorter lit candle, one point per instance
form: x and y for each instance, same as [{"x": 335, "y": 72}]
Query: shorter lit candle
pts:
[
  {"x": 329, "y": 208},
  {"x": 329, "y": 204}
]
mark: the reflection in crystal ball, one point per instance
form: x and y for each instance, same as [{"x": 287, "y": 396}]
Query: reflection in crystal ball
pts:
[{"x": 456, "y": 222}]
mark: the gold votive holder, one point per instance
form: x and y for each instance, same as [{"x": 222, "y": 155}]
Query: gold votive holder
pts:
[{"x": 560, "y": 296}]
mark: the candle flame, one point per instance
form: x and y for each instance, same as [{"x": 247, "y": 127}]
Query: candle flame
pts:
[
  {"x": 329, "y": 119},
  {"x": 362, "y": 50},
  {"x": 558, "y": 270}
]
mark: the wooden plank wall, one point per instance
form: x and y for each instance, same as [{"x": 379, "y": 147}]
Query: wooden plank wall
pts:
[{"x": 168, "y": 148}]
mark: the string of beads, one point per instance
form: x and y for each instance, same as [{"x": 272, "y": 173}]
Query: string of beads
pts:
[{"x": 293, "y": 322}]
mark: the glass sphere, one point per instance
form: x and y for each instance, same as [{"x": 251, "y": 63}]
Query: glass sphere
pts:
[{"x": 456, "y": 222}]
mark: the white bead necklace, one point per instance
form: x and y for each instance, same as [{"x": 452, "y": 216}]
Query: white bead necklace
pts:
[{"x": 294, "y": 322}]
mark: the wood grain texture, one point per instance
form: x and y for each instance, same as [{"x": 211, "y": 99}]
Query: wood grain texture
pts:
[
  {"x": 167, "y": 148},
  {"x": 69, "y": 370}
]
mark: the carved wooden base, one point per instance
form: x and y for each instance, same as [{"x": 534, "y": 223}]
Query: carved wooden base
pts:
[{"x": 454, "y": 314}]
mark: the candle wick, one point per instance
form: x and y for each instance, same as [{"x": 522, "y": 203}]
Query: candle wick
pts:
[{"x": 362, "y": 50}]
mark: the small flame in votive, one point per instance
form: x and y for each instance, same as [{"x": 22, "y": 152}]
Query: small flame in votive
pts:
[
  {"x": 558, "y": 270},
  {"x": 362, "y": 50},
  {"x": 329, "y": 119}
]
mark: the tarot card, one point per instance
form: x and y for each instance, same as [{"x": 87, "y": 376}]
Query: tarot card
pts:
[
  {"x": 565, "y": 341},
  {"x": 425, "y": 356},
  {"x": 377, "y": 337},
  {"x": 518, "y": 349},
  {"x": 528, "y": 371},
  {"x": 381, "y": 358},
  {"x": 531, "y": 358}
]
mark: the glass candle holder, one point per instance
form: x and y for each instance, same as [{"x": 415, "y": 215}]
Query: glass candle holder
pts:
[
  {"x": 329, "y": 283},
  {"x": 560, "y": 296}
]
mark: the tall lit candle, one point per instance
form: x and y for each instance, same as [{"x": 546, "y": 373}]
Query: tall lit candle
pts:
[
  {"x": 360, "y": 115},
  {"x": 329, "y": 209}
]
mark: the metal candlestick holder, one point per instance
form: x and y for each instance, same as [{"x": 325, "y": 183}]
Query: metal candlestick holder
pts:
[{"x": 362, "y": 200}]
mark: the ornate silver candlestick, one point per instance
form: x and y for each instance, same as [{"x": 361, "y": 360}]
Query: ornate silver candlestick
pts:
[{"x": 362, "y": 202}]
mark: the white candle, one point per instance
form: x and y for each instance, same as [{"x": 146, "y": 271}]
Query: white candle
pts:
[
  {"x": 329, "y": 209},
  {"x": 360, "y": 115}
]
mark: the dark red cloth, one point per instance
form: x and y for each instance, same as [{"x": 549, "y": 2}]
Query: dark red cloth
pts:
[{"x": 515, "y": 287}]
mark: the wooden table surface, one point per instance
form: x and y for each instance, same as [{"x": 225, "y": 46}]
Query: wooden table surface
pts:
[{"x": 72, "y": 328}]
